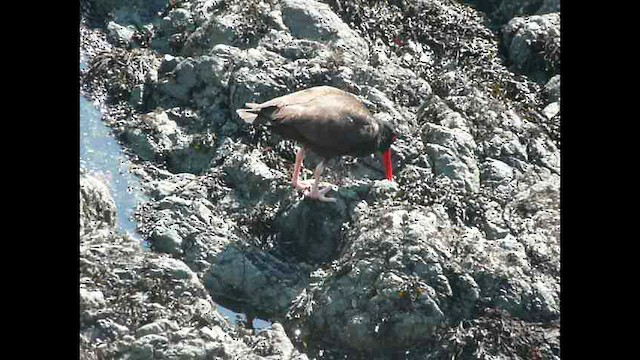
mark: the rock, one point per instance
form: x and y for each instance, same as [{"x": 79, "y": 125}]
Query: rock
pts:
[
  {"x": 552, "y": 89},
  {"x": 214, "y": 334},
  {"x": 507, "y": 147},
  {"x": 312, "y": 230},
  {"x": 315, "y": 21},
  {"x": 494, "y": 171},
  {"x": 166, "y": 298},
  {"x": 213, "y": 70},
  {"x": 451, "y": 151},
  {"x": 120, "y": 34},
  {"x": 275, "y": 342},
  {"x": 153, "y": 328},
  {"x": 166, "y": 241},
  {"x": 533, "y": 45},
  {"x": 494, "y": 225},
  {"x": 501, "y": 11},
  {"x": 97, "y": 208},
  {"x": 247, "y": 276},
  {"x": 251, "y": 177},
  {"x": 112, "y": 329},
  {"x": 549, "y": 6},
  {"x": 401, "y": 303},
  {"x": 91, "y": 299},
  {"x": 179, "y": 84},
  {"x": 171, "y": 31},
  {"x": 220, "y": 29},
  {"x": 140, "y": 143},
  {"x": 166, "y": 141},
  {"x": 551, "y": 110}
]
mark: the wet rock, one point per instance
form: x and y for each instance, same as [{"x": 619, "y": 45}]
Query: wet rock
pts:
[
  {"x": 533, "y": 45},
  {"x": 97, "y": 208},
  {"x": 139, "y": 142}
]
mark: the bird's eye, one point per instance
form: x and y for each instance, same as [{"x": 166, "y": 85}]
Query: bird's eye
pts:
[{"x": 394, "y": 137}]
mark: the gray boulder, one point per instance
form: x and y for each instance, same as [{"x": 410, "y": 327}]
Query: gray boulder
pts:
[
  {"x": 218, "y": 29},
  {"x": 315, "y": 21},
  {"x": 166, "y": 241},
  {"x": 312, "y": 230},
  {"x": 247, "y": 277},
  {"x": 398, "y": 299},
  {"x": 533, "y": 45},
  {"x": 121, "y": 35}
]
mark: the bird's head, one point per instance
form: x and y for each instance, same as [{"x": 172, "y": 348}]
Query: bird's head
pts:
[{"x": 387, "y": 137}]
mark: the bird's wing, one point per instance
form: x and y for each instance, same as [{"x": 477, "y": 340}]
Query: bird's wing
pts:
[
  {"x": 266, "y": 109},
  {"x": 337, "y": 123},
  {"x": 302, "y": 96}
]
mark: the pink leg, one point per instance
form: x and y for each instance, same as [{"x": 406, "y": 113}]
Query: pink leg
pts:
[
  {"x": 295, "y": 180},
  {"x": 319, "y": 194}
]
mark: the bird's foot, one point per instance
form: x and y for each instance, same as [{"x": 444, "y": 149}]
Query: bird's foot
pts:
[
  {"x": 319, "y": 195},
  {"x": 302, "y": 184}
]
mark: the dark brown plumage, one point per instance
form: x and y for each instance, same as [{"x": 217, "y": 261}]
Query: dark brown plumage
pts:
[{"x": 326, "y": 120}]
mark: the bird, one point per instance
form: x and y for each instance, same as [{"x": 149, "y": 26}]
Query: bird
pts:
[{"x": 327, "y": 121}]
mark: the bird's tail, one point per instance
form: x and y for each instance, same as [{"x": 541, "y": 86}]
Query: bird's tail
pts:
[{"x": 249, "y": 115}]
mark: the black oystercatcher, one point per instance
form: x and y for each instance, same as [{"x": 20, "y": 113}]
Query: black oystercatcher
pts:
[{"x": 328, "y": 121}]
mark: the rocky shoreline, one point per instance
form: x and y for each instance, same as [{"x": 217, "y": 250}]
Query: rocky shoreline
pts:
[{"x": 458, "y": 258}]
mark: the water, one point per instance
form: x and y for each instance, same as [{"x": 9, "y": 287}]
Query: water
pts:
[
  {"x": 102, "y": 156},
  {"x": 233, "y": 317}
]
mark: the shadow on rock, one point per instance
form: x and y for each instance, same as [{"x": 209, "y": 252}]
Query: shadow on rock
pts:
[{"x": 312, "y": 230}]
